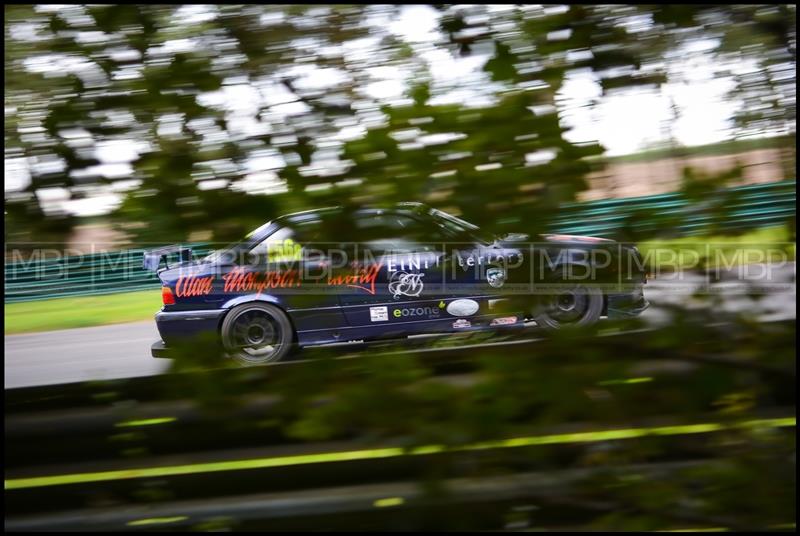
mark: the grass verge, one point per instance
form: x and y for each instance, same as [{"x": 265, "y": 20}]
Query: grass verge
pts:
[{"x": 81, "y": 311}]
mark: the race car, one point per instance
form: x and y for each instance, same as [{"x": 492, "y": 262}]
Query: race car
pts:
[{"x": 349, "y": 274}]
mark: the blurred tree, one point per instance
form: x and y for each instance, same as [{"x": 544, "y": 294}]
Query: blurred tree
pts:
[
  {"x": 27, "y": 97},
  {"x": 217, "y": 102}
]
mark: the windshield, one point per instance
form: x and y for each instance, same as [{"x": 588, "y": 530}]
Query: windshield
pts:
[{"x": 460, "y": 226}]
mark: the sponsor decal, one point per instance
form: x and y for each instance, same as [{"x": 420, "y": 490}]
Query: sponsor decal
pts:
[
  {"x": 463, "y": 307},
  {"x": 238, "y": 280},
  {"x": 405, "y": 284},
  {"x": 462, "y": 323},
  {"x": 503, "y": 321},
  {"x": 378, "y": 314},
  {"x": 402, "y": 312},
  {"x": 473, "y": 259},
  {"x": 193, "y": 286},
  {"x": 363, "y": 279},
  {"x": 412, "y": 261},
  {"x": 464, "y": 259},
  {"x": 496, "y": 277},
  {"x": 241, "y": 280}
]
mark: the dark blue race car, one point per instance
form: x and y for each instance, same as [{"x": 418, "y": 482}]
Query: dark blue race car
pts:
[{"x": 404, "y": 270}]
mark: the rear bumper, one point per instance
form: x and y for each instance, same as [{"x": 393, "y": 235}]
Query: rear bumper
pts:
[
  {"x": 174, "y": 326},
  {"x": 159, "y": 349}
]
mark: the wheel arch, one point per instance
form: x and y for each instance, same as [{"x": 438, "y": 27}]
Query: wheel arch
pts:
[
  {"x": 239, "y": 300},
  {"x": 229, "y": 305},
  {"x": 559, "y": 267}
]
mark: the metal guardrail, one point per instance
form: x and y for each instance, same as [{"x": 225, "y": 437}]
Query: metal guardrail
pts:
[
  {"x": 84, "y": 275},
  {"x": 746, "y": 207}
]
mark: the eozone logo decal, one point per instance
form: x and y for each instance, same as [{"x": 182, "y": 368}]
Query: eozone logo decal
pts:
[{"x": 415, "y": 311}]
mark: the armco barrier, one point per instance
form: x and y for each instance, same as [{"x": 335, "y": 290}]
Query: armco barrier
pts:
[
  {"x": 746, "y": 207},
  {"x": 84, "y": 275}
]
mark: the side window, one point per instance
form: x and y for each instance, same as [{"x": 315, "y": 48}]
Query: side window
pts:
[
  {"x": 398, "y": 233},
  {"x": 280, "y": 246}
]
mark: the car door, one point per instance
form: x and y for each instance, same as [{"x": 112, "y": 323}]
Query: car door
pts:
[
  {"x": 402, "y": 261},
  {"x": 482, "y": 265},
  {"x": 287, "y": 268}
]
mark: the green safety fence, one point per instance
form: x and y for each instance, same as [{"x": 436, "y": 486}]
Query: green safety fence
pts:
[
  {"x": 732, "y": 209},
  {"x": 739, "y": 208}
]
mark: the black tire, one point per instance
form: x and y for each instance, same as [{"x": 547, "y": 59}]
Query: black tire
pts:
[
  {"x": 575, "y": 306},
  {"x": 256, "y": 334}
]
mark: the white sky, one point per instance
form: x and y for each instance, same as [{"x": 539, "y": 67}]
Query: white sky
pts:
[{"x": 623, "y": 123}]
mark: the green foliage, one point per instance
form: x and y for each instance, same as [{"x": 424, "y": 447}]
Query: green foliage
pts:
[
  {"x": 133, "y": 86},
  {"x": 727, "y": 375},
  {"x": 148, "y": 74}
]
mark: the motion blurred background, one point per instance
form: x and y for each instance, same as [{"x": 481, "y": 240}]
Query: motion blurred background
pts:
[
  {"x": 172, "y": 123},
  {"x": 131, "y": 126}
]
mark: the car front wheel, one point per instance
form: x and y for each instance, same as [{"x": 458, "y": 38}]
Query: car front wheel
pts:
[
  {"x": 573, "y": 306},
  {"x": 257, "y": 333}
]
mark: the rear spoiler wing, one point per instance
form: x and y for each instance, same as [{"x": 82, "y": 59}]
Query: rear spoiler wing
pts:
[{"x": 152, "y": 259}]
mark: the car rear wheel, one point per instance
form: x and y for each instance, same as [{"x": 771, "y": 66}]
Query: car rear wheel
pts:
[
  {"x": 257, "y": 333},
  {"x": 573, "y": 306}
]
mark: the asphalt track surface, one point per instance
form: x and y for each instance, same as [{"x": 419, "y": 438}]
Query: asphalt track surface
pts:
[{"x": 123, "y": 350}]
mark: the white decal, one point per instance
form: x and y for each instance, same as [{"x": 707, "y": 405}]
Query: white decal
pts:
[
  {"x": 496, "y": 277},
  {"x": 412, "y": 261},
  {"x": 477, "y": 259},
  {"x": 504, "y": 321},
  {"x": 463, "y": 307},
  {"x": 405, "y": 284},
  {"x": 379, "y": 314},
  {"x": 462, "y": 323}
]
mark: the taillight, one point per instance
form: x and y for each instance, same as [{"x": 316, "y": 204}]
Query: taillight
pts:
[{"x": 166, "y": 296}]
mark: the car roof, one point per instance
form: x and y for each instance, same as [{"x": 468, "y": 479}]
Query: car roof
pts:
[{"x": 307, "y": 215}]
